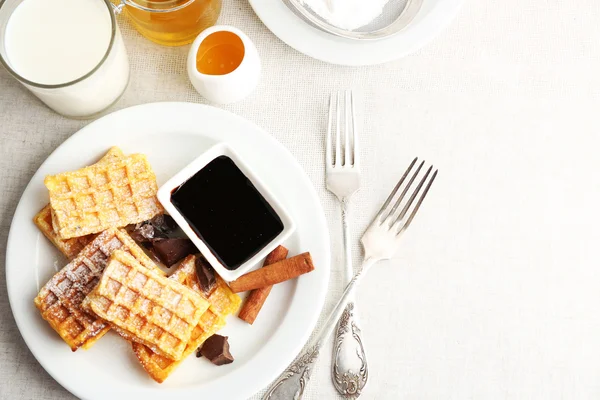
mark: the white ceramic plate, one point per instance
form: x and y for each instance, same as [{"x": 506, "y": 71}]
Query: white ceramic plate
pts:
[
  {"x": 434, "y": 16},
  {"x": 172, "y": 135}
]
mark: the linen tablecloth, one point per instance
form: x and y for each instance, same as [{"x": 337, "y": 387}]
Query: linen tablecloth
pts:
[{"x": 495, "y": 292}]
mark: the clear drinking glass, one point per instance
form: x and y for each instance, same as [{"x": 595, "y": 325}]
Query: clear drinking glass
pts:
[{"x": 88, "y": 95}]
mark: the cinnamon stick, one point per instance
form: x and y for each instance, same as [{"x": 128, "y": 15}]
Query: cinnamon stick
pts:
[
  {"x": 256, "y": 299},
  {"x": 275, "y": 273}
]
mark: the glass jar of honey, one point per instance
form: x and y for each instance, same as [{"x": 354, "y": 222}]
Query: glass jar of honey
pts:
[{"x": 172, "y": 22}]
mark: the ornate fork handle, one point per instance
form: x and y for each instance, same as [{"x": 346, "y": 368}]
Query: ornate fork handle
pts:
[
  {"x": 349, "y": 370},
  {"x": 290, "y": 385}
]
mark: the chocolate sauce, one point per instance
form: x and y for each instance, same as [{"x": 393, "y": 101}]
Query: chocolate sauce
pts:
[{"x": 227, "y": 212}]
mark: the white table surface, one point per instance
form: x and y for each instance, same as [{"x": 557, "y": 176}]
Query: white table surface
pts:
[{"x": 495, "y": 293}]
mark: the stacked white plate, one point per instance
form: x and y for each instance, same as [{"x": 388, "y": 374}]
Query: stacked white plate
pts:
[{"x": 431, "y": 19}]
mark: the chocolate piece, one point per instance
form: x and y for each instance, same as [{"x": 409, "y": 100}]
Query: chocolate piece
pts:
[
  {"x": 206, "y": 275},
  {"x": 172, "y": 250},
  {"x": 164, "y": 223},
  {"x": 142, "y": 232},
  {"x": 145, "y": 232},
  {"x": 199, "y": 352},
  {"x": 151, "y": 252},
  {"x": 158, "y": 227},
  {"x": 216, "y": 350}
]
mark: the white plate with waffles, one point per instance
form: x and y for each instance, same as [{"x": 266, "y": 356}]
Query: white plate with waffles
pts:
[{"x": 171, "y": 135}]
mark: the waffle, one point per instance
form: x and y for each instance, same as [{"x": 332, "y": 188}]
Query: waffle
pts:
[
  {"x": 103, "y": 196},
  {"x": 59, "y": 301},
  {"x": 149, "y": 308},
  {"x": 69, "y": 247},
  {"x": 158, "y": 367},
  {"x": 43, "y": 220},
  {"x": 222, "y": 303},
  {"x": 112, "y": 154}
]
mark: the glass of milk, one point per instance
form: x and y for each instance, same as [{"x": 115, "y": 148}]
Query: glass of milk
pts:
[{"x": 69, "y": 53}]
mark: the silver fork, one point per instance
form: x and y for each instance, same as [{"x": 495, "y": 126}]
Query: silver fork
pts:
[
  {"x": 380, "y": 242},
  {"x": 349, "y": 368}
]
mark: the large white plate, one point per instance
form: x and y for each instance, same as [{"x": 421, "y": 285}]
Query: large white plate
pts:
[
  {"x": 173, "y": 134},
  {"x": 434, "y": 16}
]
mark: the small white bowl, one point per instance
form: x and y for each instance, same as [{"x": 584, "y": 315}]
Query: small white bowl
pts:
[
  {"x": 221, "y": 149},
  {"x": 231, "y": 87}
]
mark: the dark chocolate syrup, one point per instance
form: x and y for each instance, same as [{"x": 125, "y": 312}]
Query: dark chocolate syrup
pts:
[{"x": 227, "y": 212}]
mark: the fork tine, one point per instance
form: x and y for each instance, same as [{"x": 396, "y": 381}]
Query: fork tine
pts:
[
  {"x": 338, "y": 157},
  {"x": 355, "y": 150},
  {"x": 347, "y": 128},
  {"x": 328, "y": 153},
  {"x": 408, "y": 185},
  {"x": 414, "y": 212},
  {"x": 412, "y": 197},
  {"x": 395, "y": 190}
]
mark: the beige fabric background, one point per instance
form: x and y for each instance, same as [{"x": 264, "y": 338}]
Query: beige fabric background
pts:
[{"x": 495, "y": 294}]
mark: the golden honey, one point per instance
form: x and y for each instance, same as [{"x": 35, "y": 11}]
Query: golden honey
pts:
[
  {"x": 172, "y": 22},
  {"x": 220, "y": 53}
]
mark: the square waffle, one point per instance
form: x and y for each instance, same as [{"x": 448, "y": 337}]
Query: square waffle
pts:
[
  {"x": 149, "y": 308},
  {"x": 59, "y": 301},
  {"x": 222, "y": 300},
  {"x": 103, "y": 196},
  {"x": 69, "y": 247},
  {"x": 222, "y": 303},
  {"x": 43, "y": 220}
]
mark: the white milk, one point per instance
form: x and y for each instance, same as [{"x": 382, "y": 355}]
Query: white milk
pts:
[{"x": 53, "y": 42}]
